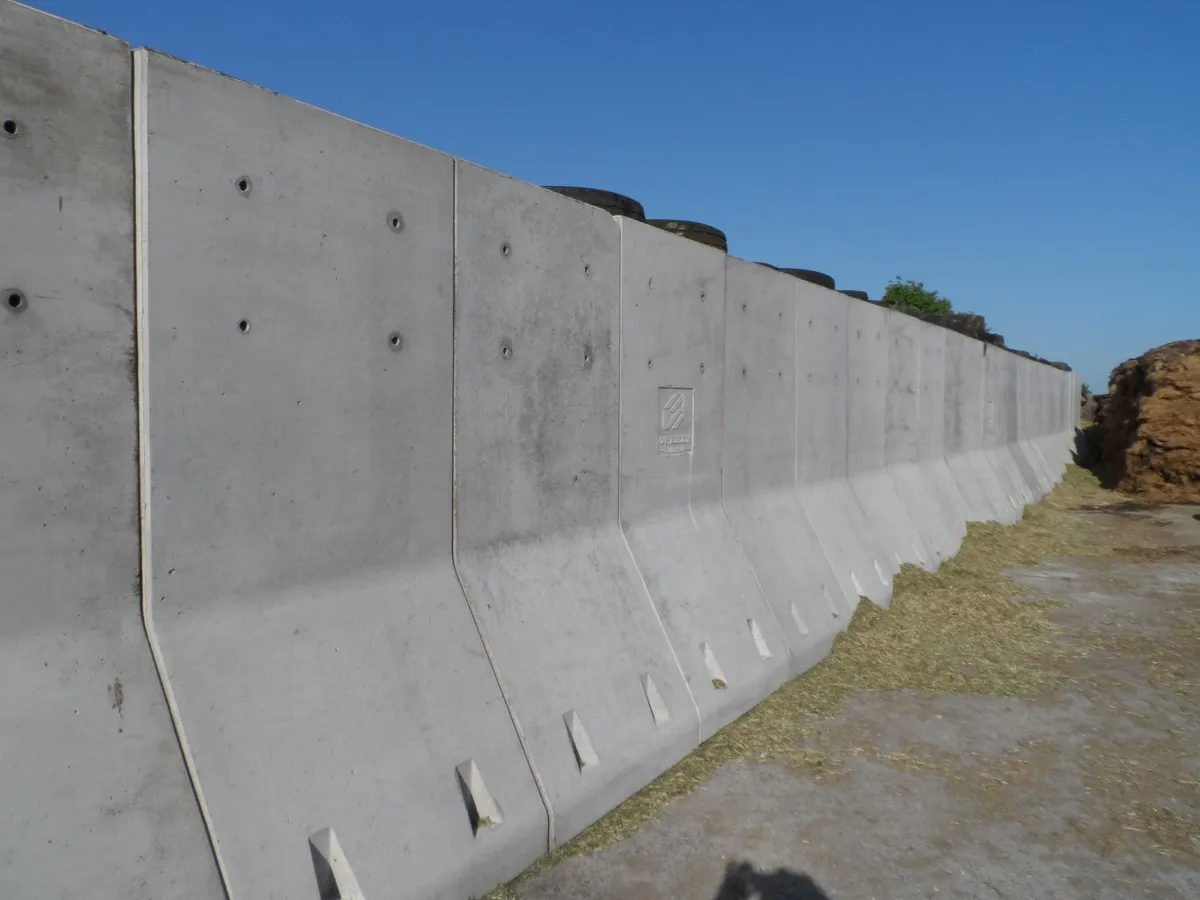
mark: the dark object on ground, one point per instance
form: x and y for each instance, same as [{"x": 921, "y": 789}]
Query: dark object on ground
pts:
[
  {"x": 767, "y": 264},
  {"x": 742, "y": 882},
  {"x": 857, "y": 295},
  {"x": 825, "y": 281},
  {"x": 609, "y": 201},
  {"x": 696, "y": 231},
  {"x": 1148, "y": 433}
]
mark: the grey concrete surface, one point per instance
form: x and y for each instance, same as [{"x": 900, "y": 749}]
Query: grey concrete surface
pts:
[
  {"x": 866, "y": 456},
  {"x": 387, "y": 444},
  {"x": 931, "y": 431},
  {"x": 960, "y": 416},
  {"x": 1027, "y": 399},
  {"x": 537, "y": 540},
  {"x": 901, "y": 431},
  {"x": 95, "y": 798},
  {"x": 969, "y": 796},
  {"x": 995, "y": 428},
  {"x": 762, "y": 454},
  {"x": 977, "y": 440},
  {"x": 324, "y": 658},
  {"x": 852, "y": 546},
  {"x": 1026, "y": 464},
  {"x": 729, "y": 640}
]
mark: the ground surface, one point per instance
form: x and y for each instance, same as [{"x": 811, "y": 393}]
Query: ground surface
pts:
[{"x": 978, "y": 740}]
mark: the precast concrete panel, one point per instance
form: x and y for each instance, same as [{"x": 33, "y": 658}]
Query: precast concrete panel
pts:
[
  {"x": 866, "y": 459},
  {"x": 587, "y": 666},
  {"x": 1061, "y": 427},
  {"x": 985, "y": 457},
  {"x": 1028, "y": 372},
  {"x": 727, "y": 637},
  {"x": 1064, "y": 421},
  {"x": 971, "y": 468},
  {"x": 956, "y": 420},
  {"x": 995, "y": 437},
  {"x": 759, "y": 474},
  {"x": 96, "y": 799},
  {"x": 901, "y": 436},
  {"x": 931, "y": 429},
  {"x": 861, "y": 560},
  {"x": 1010, "y": 429},
  {"x": 297, "y": 293}
]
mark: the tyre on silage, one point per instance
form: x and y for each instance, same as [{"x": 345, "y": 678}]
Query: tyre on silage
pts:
[
  {"x": 696, "y": 231},
  {"x": 857, "y": 295},
  {"x": 813, "y": 277},
  {"x": 611, "y": 202}
]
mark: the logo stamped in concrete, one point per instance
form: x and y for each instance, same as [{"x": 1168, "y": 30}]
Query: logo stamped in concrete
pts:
[{"x": 675, "y": 421}]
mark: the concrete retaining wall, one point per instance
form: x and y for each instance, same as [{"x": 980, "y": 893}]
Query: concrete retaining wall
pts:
[
  {"x": 96, "y": 799},
  {"x": 373, "y": 520}
]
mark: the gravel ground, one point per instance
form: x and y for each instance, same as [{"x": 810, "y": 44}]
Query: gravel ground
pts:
[{"x": 1087, "y": 788}]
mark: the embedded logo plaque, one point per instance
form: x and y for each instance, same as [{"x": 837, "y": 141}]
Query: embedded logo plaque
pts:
[{"x": 675, "y": 421}]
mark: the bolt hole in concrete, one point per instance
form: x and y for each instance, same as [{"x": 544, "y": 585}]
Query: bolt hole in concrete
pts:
[
  {"x": 243, "y": 185},
  {"x": 506, "y": 351},
  {"x": 14, "y": 300},
  {"x": 505, "y": 249},
  {"x": 11, "y": 128},
  {"x": 244, "y": 326},
  {"x": 395, "y": 221},
  {"x": 395, "y": 340},
  {"x": 587, "y": 270}
]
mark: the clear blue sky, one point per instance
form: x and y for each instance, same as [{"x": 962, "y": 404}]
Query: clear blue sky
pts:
[{"x": 1037, "y": 161}]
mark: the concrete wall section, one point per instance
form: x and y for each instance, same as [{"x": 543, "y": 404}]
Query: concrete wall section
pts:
[
  {"x": 1010, "y": 427},
  {"x": 759, "y": 474},
  {"x": 1027, "y": 373},
  {"x": 297, "y": 291},
  {"x": 727, "y": 638},
  {"x": 995, "y": 435},
  {"x": 902, "y": 441},
  {"x": 955, "y": 426},
  {"x": 866, "y": 444},
  {"x": 96, "y": 797},
  {"x": 853, "y": 547},
  {"x": 931, "y": 429},
  {"x": 590, "y": 674},
  {"x": 973, "y": 472}
]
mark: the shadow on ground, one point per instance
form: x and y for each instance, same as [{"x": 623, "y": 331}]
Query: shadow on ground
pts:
[{"x": 743, "y": 882}]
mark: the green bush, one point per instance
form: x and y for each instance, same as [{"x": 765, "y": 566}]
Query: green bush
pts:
[{"x": 914, "y": 294}]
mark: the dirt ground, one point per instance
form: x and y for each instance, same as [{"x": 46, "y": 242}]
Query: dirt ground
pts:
[{"x": 1004, "y": 731}]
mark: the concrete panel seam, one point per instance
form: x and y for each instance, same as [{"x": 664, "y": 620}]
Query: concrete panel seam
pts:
[
  {"x": 829, "y": 558},
  {"x": 624, "y": 538},
  {"x": 141, "y": 156},
  {"x": 487, "y": 647},
  {"x": 753, "y": 571}
]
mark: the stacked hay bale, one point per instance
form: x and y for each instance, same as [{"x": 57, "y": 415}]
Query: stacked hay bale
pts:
[{"x": 1149, "y": 432}]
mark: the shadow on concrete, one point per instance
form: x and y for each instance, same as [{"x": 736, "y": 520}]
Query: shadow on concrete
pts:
[{"x": 742, "y": 882}]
